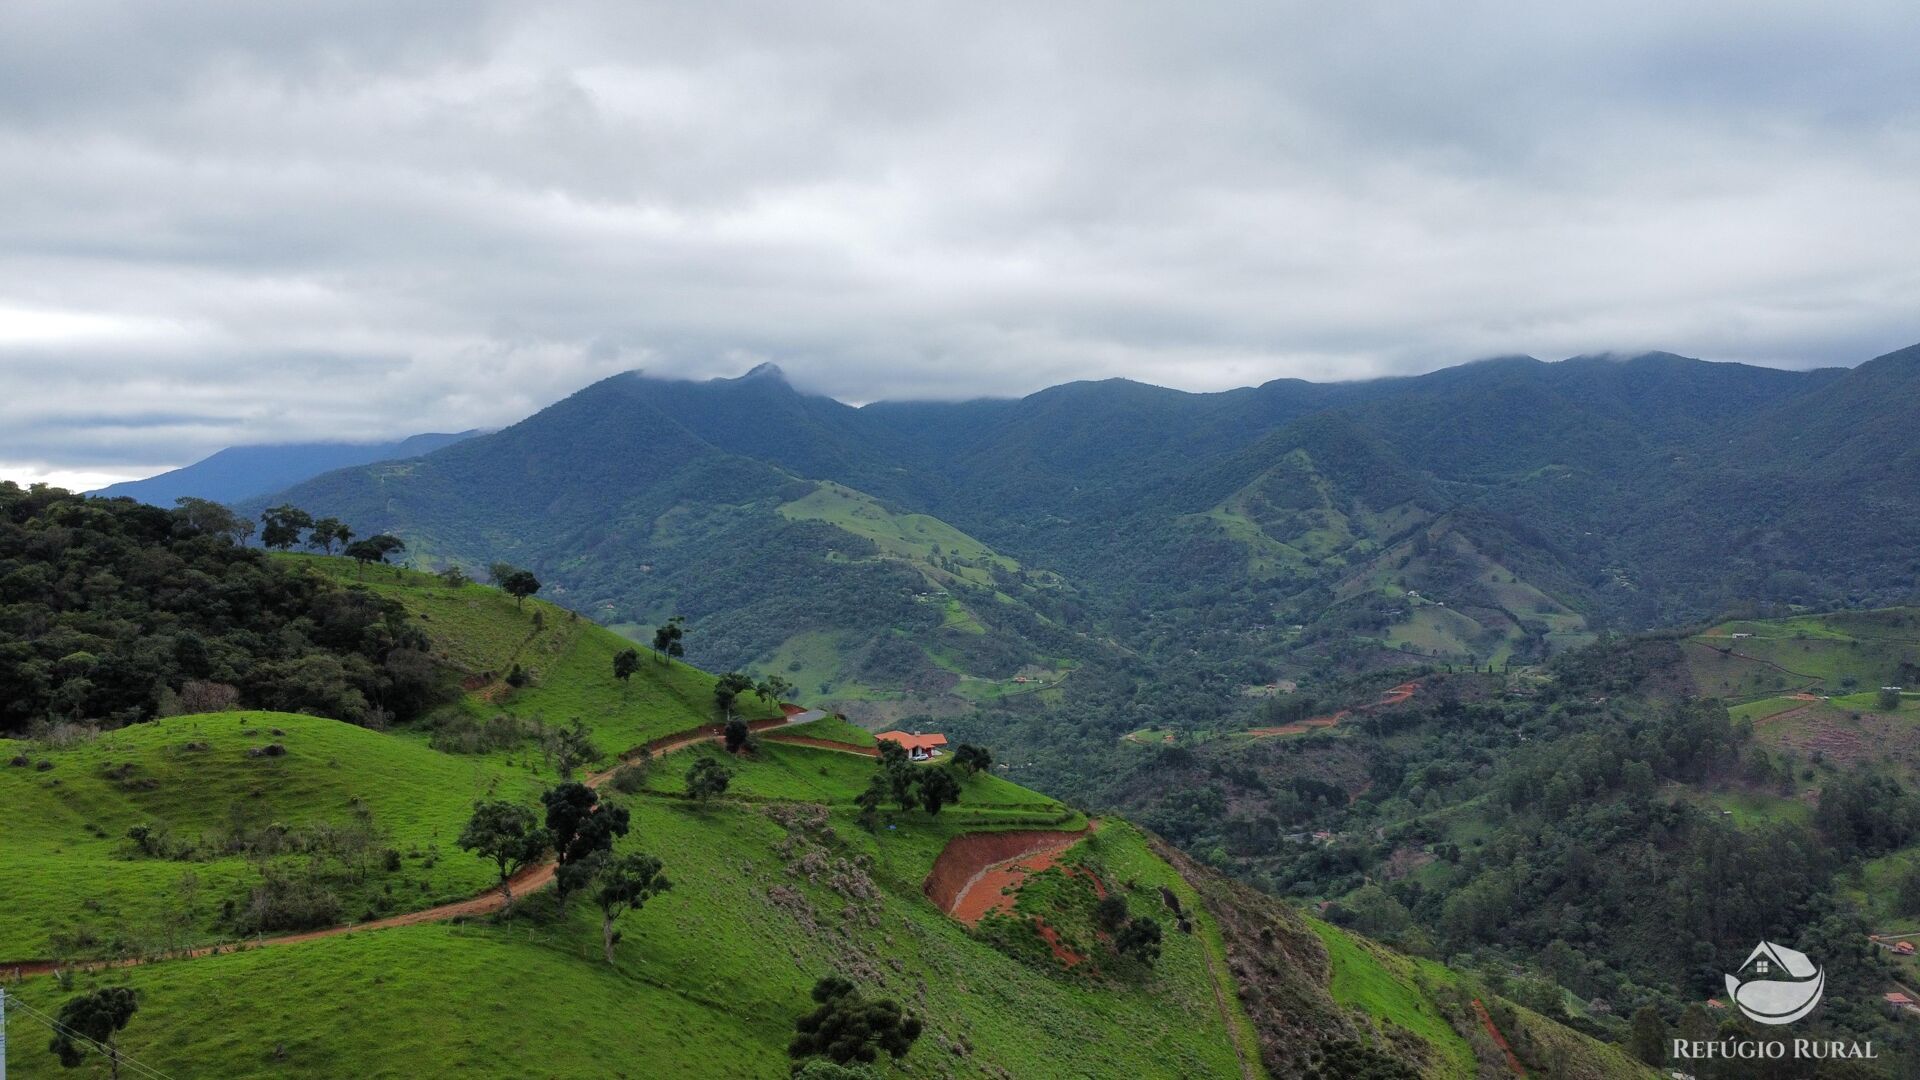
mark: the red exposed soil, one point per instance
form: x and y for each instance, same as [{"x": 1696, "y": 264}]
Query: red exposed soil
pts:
[
  {"x": 1396, "y": 696},
  {"x": 1051, "y": 936},
  {"x": 973, "y": 873},
  {"x": 1302, "y": 727},
  {"x": 1513, "y": 1060}
]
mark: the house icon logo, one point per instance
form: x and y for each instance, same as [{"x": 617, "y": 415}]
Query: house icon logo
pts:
[{"x": 1776, "y": 985}]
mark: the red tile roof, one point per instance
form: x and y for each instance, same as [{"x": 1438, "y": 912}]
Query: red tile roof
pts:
[
  {"x": 913, "y": 742},
  {"x": 1899, "y": 999}
]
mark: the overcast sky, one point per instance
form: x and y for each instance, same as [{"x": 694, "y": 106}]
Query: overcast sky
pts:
[{"x": 242, "y": 222}]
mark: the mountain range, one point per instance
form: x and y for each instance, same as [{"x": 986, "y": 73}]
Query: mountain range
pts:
[
  {"x": 951, "y": 554},
  {"x": 241, "y": 472}
]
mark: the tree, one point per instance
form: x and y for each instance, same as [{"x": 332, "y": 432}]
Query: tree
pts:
[
  {"x": 1648, "y": 1038},
  {"x": 374, "y": 549},
  {"x": 773, "y": 689},
  {"x": 845, "y": 1027},
  {"x": 728, "y": 687},
  {"x": 570, "y": 746},
  {"x": 974, "y": 759},
  {"x": 510, "y": 835},
  {"x": 707, "y": 778},
  {"x": 207, "y": 516},
  {"x": 898, "y": 773},
  {"x": 938, "y": 788},
  {"x": 870, "y": 800},
  {"x": 93, "y": 1018},
  {"x": 625, "y": 663},
  {"x": 625, "y": 883},
  {"x": 581, "y": 828},
  {"x": 667, "y": 638},
  {"x": 328, "y": 532},
  {"x": 1110, "y": 914},
  {"x": 515, "y": 582},
  {"x": 737, "y": 734},
  {"x": 1140, "y": 939},
  {"x": 283, "y": 526},
  {"x": 1889, "y": 699}
]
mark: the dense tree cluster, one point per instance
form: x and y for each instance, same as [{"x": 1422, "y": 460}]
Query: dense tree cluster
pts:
[{"x": 113, "y": 612}]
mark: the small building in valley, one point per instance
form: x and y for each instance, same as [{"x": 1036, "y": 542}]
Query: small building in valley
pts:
[
  {"x": 1904, "y": 948},
  {"x": 918, "y": 747}
]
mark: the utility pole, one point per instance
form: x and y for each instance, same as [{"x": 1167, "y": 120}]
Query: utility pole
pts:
[{"x": 3, "y": 1033}]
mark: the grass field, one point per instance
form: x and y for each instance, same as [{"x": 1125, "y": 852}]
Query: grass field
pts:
[
  {"x": 480, "y": 630},
  {"x": 936, "y": 548},
  {"x": 1838, "y": 653},
  {"x": 709, "y": 979},
  {"x": 775, "y": 885},
  {"x": 1382, "y": 985},
  {"x": 1745, "y": 807},
  {"x": 71, "y": 871}
]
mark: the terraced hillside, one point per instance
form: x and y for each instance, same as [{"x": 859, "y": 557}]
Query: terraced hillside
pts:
[{"x": 286, "y": 894}]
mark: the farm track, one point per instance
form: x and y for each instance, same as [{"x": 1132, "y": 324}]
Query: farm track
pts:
[
  {"x": 1396, "y": 696},
  {"x": 528, "y": 880}
]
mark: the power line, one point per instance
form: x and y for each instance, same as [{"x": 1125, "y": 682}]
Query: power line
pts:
[{"x": 59, "y": 1028}]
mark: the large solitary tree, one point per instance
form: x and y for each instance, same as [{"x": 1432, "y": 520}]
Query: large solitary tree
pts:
[
  {"x": 972, "y": 758},
  {"x": 625, "y": 663},
  {"x": 727, "y": 688},
  {"x": 581, "y": 828},
  {"x": 846, "y": 1027},
  {"x": 773, "y": 689},
  {"x": 515, "y": 582},
  {"x": 938, "y": 788},
  {"x": 707, "y": 778},
  {"x": 374, "y": 549},
  {"x": 510, "y": 835},
  {"x": 93, "y": 1018},
  {"x": 327, "y": 532},
  {"x": 283, "y": 525},
  {"x": 625, "y": 883}
]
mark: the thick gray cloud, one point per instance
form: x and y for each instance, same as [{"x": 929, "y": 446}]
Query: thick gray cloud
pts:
[{"x": 236, "y": 222}]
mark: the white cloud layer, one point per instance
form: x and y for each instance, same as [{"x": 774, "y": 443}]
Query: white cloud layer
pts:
[{"x": 242, "y": 222}]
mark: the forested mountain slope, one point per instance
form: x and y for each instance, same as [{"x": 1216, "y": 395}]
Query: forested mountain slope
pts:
[{"x": 1598, "y": 492}]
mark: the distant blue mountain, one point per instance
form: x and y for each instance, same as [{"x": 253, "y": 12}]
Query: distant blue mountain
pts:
[{"x": 241, "y": 472}]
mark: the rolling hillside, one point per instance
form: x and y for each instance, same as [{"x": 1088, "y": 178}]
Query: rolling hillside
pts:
[{"x": 249, "y": 831}]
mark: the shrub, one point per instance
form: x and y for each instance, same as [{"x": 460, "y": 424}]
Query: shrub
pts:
[
  {"x": 630, "y": 779},
  {"x": 289, "y": 900}
]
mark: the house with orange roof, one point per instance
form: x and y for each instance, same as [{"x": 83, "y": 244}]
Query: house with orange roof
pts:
[
  {"x": 918, "y": 747},
  {"x": 1904, "y": 948}
]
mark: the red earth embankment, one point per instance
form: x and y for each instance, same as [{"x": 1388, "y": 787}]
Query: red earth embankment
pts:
[{"x": 972, "y": 874}]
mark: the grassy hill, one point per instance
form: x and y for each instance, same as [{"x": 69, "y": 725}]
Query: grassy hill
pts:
[{"x": 776, "y": 884}]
